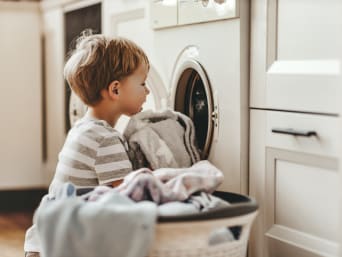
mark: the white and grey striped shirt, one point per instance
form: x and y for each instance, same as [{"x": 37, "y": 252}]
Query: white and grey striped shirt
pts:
[{"x": 93, "y": 154}]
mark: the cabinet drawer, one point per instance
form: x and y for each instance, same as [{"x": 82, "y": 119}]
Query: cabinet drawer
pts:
[
  {"x": 307, "y": 133},
  {"x": 307, "y": 86}
]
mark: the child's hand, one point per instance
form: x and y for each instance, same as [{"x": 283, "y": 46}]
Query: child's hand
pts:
[{"x": 117, "y": 182}]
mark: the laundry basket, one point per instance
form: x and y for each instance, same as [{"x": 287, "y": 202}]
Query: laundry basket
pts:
[{"x": 188, "y": 235}]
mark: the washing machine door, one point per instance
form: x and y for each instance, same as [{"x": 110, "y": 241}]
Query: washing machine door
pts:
[{"x": 192, "y": 95}]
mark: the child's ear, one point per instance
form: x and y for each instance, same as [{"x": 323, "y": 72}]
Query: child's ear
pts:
[{"x": 113, "y": 89}]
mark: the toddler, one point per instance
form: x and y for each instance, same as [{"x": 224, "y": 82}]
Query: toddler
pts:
[{"x": 108, "y": 75}]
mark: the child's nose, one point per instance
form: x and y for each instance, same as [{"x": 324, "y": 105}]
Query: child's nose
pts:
[{"x": 147, "y": 90}]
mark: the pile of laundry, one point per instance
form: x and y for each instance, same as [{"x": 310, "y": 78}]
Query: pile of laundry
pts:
[
  {"x": 169, "y": 180},
  {"x": 120, "y": 221}
]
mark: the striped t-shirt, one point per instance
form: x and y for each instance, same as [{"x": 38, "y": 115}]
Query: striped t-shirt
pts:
[{"x": 94, "y": 153}]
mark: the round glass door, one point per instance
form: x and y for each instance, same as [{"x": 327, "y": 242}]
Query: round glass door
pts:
[{"x": 193, "y": 97}]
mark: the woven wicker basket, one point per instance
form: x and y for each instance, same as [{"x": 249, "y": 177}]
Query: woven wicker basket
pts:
[{"x": 188, "y": 235}]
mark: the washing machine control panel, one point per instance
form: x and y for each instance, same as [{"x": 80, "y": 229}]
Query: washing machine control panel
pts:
[
  {"x": 168, "y": 13},
  {"x": 163, "y": 13},
  {"x": 194, "y": 11}
]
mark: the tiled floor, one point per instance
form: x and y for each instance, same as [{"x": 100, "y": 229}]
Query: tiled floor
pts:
[{"x": 13, "y": 226}]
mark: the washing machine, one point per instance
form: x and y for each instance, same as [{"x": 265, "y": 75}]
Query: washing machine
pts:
[{"x": 198, "y": 52}]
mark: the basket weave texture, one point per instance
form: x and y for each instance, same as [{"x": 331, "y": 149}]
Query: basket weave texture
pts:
[{"x": 190, "y": 239}]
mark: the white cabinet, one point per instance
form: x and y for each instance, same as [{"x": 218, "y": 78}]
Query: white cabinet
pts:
[
  {"x": 53, "y": 33},
  {"x": 294, "y": 175},
  {"x": 295, "y": 127},
  {"x": 21, "y": 96},
  {"x": 296, "y": 55}
]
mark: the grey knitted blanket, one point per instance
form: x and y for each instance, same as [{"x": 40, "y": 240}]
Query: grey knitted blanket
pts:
[{"x": 161, "y": 139}]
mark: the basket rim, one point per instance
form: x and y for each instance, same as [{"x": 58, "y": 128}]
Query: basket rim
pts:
[{"x": 239, "y": 205}]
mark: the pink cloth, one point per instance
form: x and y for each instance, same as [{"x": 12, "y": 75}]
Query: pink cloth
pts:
[{"x": 171, "y": 184}]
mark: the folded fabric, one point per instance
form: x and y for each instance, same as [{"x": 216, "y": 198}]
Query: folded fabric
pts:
[
  {"x": 172, "y": 133},
  {"x": 155, "y": 152},
  {"x": 201, "y": 202},
  {"x": 206, "y": 202},
  {"x": 112, "y": 226},
  {"x": 221, "y": 235},
  {"x": 161, "y": 139},
  {"x": 176, "y": 209},
  {"x": 167, "y": 184},
  {"x": 96, "y": 193},
  {"x": 141, "y": 185},
  {"x": 189, "y": 136},
  {"x": 136, "y": 155},
  {"x": 32, "y": 240},
  {"x": 202, "y": 176}
]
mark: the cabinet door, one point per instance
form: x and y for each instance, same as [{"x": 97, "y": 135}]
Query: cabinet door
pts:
[
  {"x": 21, "y": 96},
  {"x": 296, "y": 55},
  {"x": 54, "y": 88},
  {"x": 294, "y": 177},
  {"x": 301, "y": 204}
]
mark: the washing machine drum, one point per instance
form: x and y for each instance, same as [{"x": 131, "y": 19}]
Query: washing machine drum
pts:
[
  {"x": 193, "y": 97},
  {"x": 77, "y": 108}
]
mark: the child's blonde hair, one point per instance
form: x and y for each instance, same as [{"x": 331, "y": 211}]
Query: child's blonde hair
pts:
[{"x": 97, "y": 61}]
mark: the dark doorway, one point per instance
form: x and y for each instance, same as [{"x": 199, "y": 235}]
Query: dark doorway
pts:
[{"x": 75, "y": 22}]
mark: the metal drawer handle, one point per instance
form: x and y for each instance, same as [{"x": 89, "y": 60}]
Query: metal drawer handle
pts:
[{"x": 293, "y": 132}]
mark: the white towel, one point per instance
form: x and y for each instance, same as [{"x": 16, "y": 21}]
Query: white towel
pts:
[{"x": 111, "y": 226}]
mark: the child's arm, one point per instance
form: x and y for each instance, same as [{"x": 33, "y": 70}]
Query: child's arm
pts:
[
  {"x": 116, "y": 182},
  {"x": 111, "y": 162}
]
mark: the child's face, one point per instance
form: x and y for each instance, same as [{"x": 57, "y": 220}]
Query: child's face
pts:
[{"x": 133, "y": 91}]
